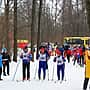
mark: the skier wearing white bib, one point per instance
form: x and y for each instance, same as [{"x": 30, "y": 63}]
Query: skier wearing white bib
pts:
[{"x": 60, "y": 65}]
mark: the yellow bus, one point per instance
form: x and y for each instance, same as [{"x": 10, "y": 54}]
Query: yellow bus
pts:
[{"x": 77, "y": 41}]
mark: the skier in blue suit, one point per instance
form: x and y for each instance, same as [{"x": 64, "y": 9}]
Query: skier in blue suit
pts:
[
  {"x": 60, "y": 65},
  {"x": 42, "y": 57}
]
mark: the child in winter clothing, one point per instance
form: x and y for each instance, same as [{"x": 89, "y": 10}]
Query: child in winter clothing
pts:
[
  {"x": 5, "y": 59},
  {"x": 60, "y": 64},
  {"x": 42, "y": 57},
  {"x": 26, "y": 56}
]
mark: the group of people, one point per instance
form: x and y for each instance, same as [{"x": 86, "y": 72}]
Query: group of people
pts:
[
  {"x": 79, "y": 53},
  {"x": 43, "y": 56}
]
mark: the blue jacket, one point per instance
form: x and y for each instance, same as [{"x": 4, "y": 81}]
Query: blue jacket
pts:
[
  {"x": 0, "y": 60},
  {"x": 47, "y": 55}
]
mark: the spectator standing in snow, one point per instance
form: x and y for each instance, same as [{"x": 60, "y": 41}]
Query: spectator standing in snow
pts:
[
  {"x": 87, "y": 68},
  {"x": 6, "y": 59}
]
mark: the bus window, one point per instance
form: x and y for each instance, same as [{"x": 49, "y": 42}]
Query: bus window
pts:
[
  {"x": 78, "y": 41},
  {"x": 75, "y": 41},
  {"x": 88, "y": 41},
  {"x": 65, "y": 40}
]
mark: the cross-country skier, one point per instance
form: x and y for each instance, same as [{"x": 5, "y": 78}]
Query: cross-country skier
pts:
[
  {"x": 6, "y": 59},
  {"x": 61, "y": 48},
  {"x": 68, "y": 53},
  {"x": 26, "y": 56},
  {"x": 42, "y": 57},
  {"x": 60, "y": 65},
  {"x": 49, "y": 48}
]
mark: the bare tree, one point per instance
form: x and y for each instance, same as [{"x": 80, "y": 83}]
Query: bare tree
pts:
[
  {"x": 5, "y": 39},
  {"x": 39, "y": 24},
  {"x": 88, "y": 12},
  {"x": 0, "y": 4},
  {"x": 70, "y": 14},
  {"x": 33, "y": 26},
  {"x": 7, "y": 24},
  {"x": 15, "y": 31},
  {"x": 55, "y": 20},
  {"x": 63, "y": 19}
]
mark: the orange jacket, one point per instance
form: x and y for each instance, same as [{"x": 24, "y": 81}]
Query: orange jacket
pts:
[{"x": 87, "y": 66}]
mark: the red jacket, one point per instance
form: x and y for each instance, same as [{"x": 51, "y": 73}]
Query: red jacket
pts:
[
  {"x": 80, "y": 51},
  {"x": 68, "y": 52}
]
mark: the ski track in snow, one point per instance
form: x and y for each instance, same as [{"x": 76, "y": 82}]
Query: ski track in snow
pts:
[{"x": 74, "y": 76}]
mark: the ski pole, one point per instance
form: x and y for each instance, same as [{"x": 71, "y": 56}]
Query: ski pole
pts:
[
  {"x": 48, "y": 74},
  {"x": 16, "y": 70},
  {"x": 35, "y": 72},
  {"x": 65, "y": 75},
  {"x": 48, "y": 71},
  {"x": 65, "y": 78},
  {"x": 53, "y": 73}
]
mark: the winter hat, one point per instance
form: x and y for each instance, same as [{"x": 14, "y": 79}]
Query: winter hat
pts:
[
  {"x": 42, "y": 49},
  {"x": 25, "y": 47},
  {"x": 4, "y": 50}
]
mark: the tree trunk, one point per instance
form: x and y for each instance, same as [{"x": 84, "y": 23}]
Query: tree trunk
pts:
[
  {"x": 77, "y": 22},
  {"x": 0, "y": 5},
  {"x": 7, "y": 25},
  {"x": 5, "y": 40},
  {"x": 33, "y": 26},
  {"x": 39, "y": 22},
  {"x": 43, "y": 24},
  {"x": 63, "y": 21},
  {"x": 88, "y": 12},
  {"x": 55, "y": 21},
  {"x": 15, "y": 31}
]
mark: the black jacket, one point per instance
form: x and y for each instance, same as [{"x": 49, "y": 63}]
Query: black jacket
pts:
[{"x": 6, "y": 56}]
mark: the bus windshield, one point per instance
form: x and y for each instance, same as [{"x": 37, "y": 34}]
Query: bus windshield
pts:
[
  {"x": 74, "y": 41},
  {"x": 88, "y": 41}
]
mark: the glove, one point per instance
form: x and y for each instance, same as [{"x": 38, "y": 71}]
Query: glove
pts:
[
  {"x": 4, "y": 62},
  {"x": 84, "y": 61}
]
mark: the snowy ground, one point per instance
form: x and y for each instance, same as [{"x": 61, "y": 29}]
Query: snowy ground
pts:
[{"x": 74, "y": 76}]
